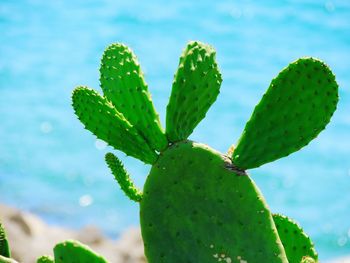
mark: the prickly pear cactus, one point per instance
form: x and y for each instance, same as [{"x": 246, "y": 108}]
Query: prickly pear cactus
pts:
[
  {"x": 45, "y": 259},
  {"x": 7, "y": 260},
  {"x": 296, "y": 243},
  {"x": 5, "y": 253},
  {"x": 199, "y": 205},
  {"x": 4, "y": 245},
  {"x": 71, "y": 251}
]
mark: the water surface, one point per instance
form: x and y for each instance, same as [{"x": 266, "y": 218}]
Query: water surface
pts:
[{"x": 51, "y": 166}]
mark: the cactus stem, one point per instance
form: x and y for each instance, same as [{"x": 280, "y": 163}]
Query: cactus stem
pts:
[{"x": 123, "y": 178}]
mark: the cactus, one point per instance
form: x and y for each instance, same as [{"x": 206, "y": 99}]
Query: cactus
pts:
[
  {"x": 307, "y": 260},
  {"x": 7, "y": 260},
  {"x": 295, "y": 242},
  {"x": 45, "y": 259},
  {"x": 100, "y": 117},
  {"x": 71, "y": 251},
  {"x": 4, "y": 244},
  {"x": 195, "y": 88},
  {"x": 295, "y": 109},
  {"x": 123, "y": 84},
  {"x": 123, "y": 178},
  {"x": 199, "y": 205},
  {"x": 5, "y": 253}
]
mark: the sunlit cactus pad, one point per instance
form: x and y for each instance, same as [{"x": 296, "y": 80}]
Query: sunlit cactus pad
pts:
[
  {"x": 195, "y": 88},
  {"x": 295, "y": 109},
  {"x": 71, "y": 251},
  {"x": 295, "y": 242},
  {"x": 193, "y": 199},
  {"x": 123, "y": 84},
  {"x": 199, "y": 205}
]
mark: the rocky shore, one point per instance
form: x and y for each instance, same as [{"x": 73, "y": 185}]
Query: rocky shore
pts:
[{"x": 30, "y": 237}]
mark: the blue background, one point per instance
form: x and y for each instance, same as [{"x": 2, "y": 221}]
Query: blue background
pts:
[{"x": 51, "y": 166}]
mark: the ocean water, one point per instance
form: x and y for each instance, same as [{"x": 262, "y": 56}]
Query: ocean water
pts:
[{"x": 51, "y": 166}]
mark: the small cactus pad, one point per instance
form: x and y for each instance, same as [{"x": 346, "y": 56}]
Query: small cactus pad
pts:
[
  {"x": 123, "y": 84},
  {"x": 7, "y": 260},
  {"x": 295, "y": 109},
  {"x": 45, "y": 259},
  {"x": 195, "y": 88},
  {"x": 102, "y": 119},
  {"x": 71, "y": 251},
  {"x": 4, "y": 245},
  {"x": 123, "y": 178},
  {"x": 307, "y": 260},
  {"x": 295, "y": 242},
  {"x": 195, "y": 208}
]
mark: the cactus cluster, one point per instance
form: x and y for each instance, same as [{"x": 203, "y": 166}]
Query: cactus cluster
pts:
[{"x": 197, "y": 204}]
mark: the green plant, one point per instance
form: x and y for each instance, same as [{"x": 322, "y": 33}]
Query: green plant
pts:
[
  {"x": 71, "y": 251},
  {"x": 4, "y": 245},
  {"x": 199, "y": 205},
  {"x": 5, "y": 253}
]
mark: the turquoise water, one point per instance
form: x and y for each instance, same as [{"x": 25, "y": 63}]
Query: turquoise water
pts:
[{"x": 51, "y": 166}]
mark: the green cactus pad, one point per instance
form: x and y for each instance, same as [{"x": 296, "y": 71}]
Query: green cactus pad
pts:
[
  {"x": 195, "y": 88},
  {"x": 7, "y": 260},
  {"x": 295, "y": 242},
  {"x": 307, "y": 260},
  {"x": 195, "y": 208},
  {"x": 295, "y": 109},
  {"x": 45, "y": 259},
  {"x": 72, "y": 251},
  {"x": 123, "y": 178},
  {"x": 123, "y": 84},
  {"x": 4, "y": 245},
  {"x": 102, "y": 119}
]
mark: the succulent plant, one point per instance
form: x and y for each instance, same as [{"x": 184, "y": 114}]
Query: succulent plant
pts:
[
  {"x": 200, "y": 205},
  {"x": 71, "y": 251},
  {"x": 5, "y": 253},
  {"x": 4, "y": 245},
  {"x": 45, "y": 259}
]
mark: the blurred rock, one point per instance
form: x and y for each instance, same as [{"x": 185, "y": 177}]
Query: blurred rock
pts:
[
  {"x": 30, "y": 238},
  {"x": 91, "y": 235},
  {"x": 130, "y": 246}
]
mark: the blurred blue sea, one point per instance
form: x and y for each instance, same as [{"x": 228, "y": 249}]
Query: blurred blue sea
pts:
[{"x": 51, "y": 166}]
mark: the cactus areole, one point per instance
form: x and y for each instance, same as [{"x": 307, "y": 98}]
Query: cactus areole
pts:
[{"x": 199, "y": 205}]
